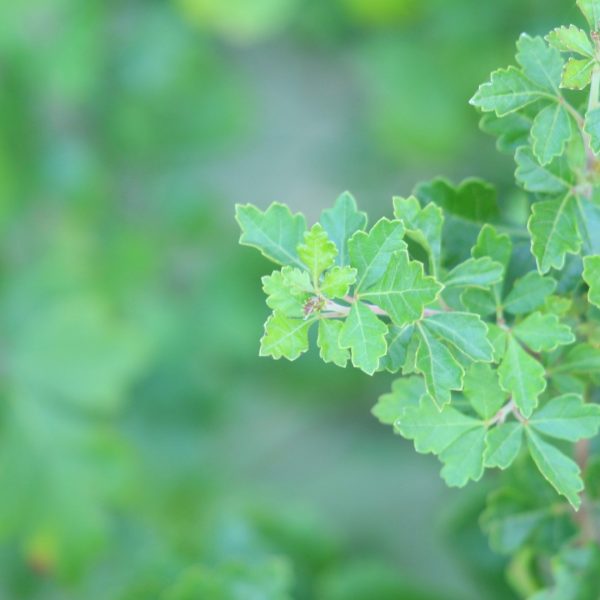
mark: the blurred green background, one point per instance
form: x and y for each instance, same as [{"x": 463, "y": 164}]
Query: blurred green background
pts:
[{"x": 145, "y": 451}]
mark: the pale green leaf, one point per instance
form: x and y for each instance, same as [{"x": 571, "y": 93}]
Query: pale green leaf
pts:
[
  {"x": 498, "y": 336},
  {"x": 571, "y": 39},
  {"x": 463, "y": 459},
  {"x": 288, "y": 291},
  {"x": 554, "y": 232},
  {"x": 522, "y": 376},
  {"x": 497, "y": 246},
  {"x": 592, "y": 127},
  {"x": 370, "y": 253},
  {"x": 441, "y": 370},
  {"x": 550, "y": 133},
  {"x": 398, "y": 340},
  {"x": 479, "y": 301},
  {"x": 568, "y": 418},
  {"x": 577, "y": 73},
  {"x": 404, "y": 290},
  {"x": 528, "y": 293},
  {"x": 337, "y": 281},
  {"x": 555, "y": 178},
  {"x": 591, "y": 275},
  {"x": 317, "y": 252},
  {"x": 507, "y": 91},
  {"x": 284, "y": 337},
  {"x": 482, "y": 389},
  {"x": 561, "y": 471},
  {"x": 591, "y": 11},
  {"x": 541, "y": 64},
  {"x": 364, "y": 334},
  {"x": 583, "y": 359},
  {"x": 276, "y": 232},
  {"x": 512, "y": 131},
  {"x": 465, "y": 331},
  {"x": 328, "y": 340},
  {"x": 543, "y": 332},
  {"x": 406, "y": 391},
  {"x": 503, "y": 444},
  {"x": 475, "y": 272},
  {"x": 341, "y": 222}
]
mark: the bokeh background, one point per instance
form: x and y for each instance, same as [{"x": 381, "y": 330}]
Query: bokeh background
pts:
[{"x": 145, "y": 451}]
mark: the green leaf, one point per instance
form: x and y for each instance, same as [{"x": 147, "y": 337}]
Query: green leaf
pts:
[
  {"x": 317, "y": 252},
  {"x": 404, "y": 290},
  {"x": 371, "y": 253},
  {"x": 398, "y": 340},
  {"x": 479, "y": 301},
  {"x": 441, "y": 370},
  {"x": 550, "y": 133},
  {"x": 567, "y": 418},
  {"x": 463, "y": 459},
  {"x": 571, "y": 39},
  {"x": 512, "y": 130},
  {"x": 592, "y": 127},
  {"x": 528, "y": 293},
  {"x": 498, "y": 336},
  {"x": 482, "y": 389},
  {"x": 507, "y": 91},
  {"x": 431, "y": 429},
  {"x": 287, "y": 291},
  {"x": 543, "y": 332},
  {"x": 503, "y": 444},
  {"x": 475, "y": 272},
  {"x": 341, "y": 222},
  {"x": 406, "y": 392},
  {"x": 497, "y": 246},
  {"x": 337, "y": 281},
  {"x": 555, "y": 178},
  {"x": 284, "y": 337},
  {"x": 466, "y": 332},
  {"x": 276, "y": 232},
  {"x": 522, "y": 376},
  {"x": 583, "y": 359},
  {"x": 423, "y": 225},
  {"x": 577, "y": 74},
  {"x": 554, "y": 232},
  {"x": 591, "y": 11},
  {"x": 541, "y": 64},
  {"x": 561, "y": 472},
  {"x": 591, "y": 275},
  {"x": 328, "y": 341},
  {"x": 364, "y": 334}
]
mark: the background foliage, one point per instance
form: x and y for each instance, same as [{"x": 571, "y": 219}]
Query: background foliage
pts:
[{"x": 144, "y": 451}]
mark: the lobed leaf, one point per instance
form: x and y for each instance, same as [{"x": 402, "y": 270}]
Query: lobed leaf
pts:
[
  {"x": 284, "y": 337},
  {"x": 529, "y": 293},
  {"x": 591, "y": 275},
  {"x": 503, "y": 444},
  {"x": 571, "y": 39},
  {"x": 543, "y": 332},
  {"x": 550, "y": 133},
  {"x": 541, "y": 63},
  {"x": 554, "y": 178},
  {"x": 475, "y": 272},
  {"x": 482, "y": 390},
  {"x": 317, "y": 252}
]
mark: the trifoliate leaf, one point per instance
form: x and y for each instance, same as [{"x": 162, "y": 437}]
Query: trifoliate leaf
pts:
[
  {"x": 528, "y": 293},
  {"x": 431, "y": 429},
  {"x": 497, "y": 246},
  {"x": 317, "y": 252},
  {"x": 522, "y": 376},
  {"x": 463, "y": 459},
  {"x": 441, "y": 370},
  {"x": 466, "y": 332},
  {"x": 423, "y": 225},
  {"x": 541, "y": 64},
  {"x": 543, "y": 332},
  {"x": 561, "y": 472},
  {"x": 482, "y": 389},
  {"x": 275, "y": 232},
  {"x": 503, "y": 444},
  {"x": 404, "y": 290},
  {"x": 554, "y": 232},
  {"x": 337, "y": 281},
  {"x": 364, "y": 334},
  {"x": 287, "y": 291},
  {"x": 568, "y": 418},
  {"x": 592, "y": 127},
  {"x": 398, "y": 340},
  {"x": 512, "y": 130},
  {"x": 591, "y": 11},
  {"x": 571, "y": 39},
  {"x": 583, "y": 359},
  {"x": 370, "y": 253},
  {"x": 328, "y": 341},
  {"x": 475, "y": 272},
  {"x": 284, "y": 337},
  {"x": 577, "y": 73},
  {"x": 591, "y": 275},
  {"x": 550, "y": 132},
  {"x": 507, "y": 91},
  {"x": 406, "y": 392},
  {"x": 341, "y": 222},
  {"x": 555, "y": 178}
]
